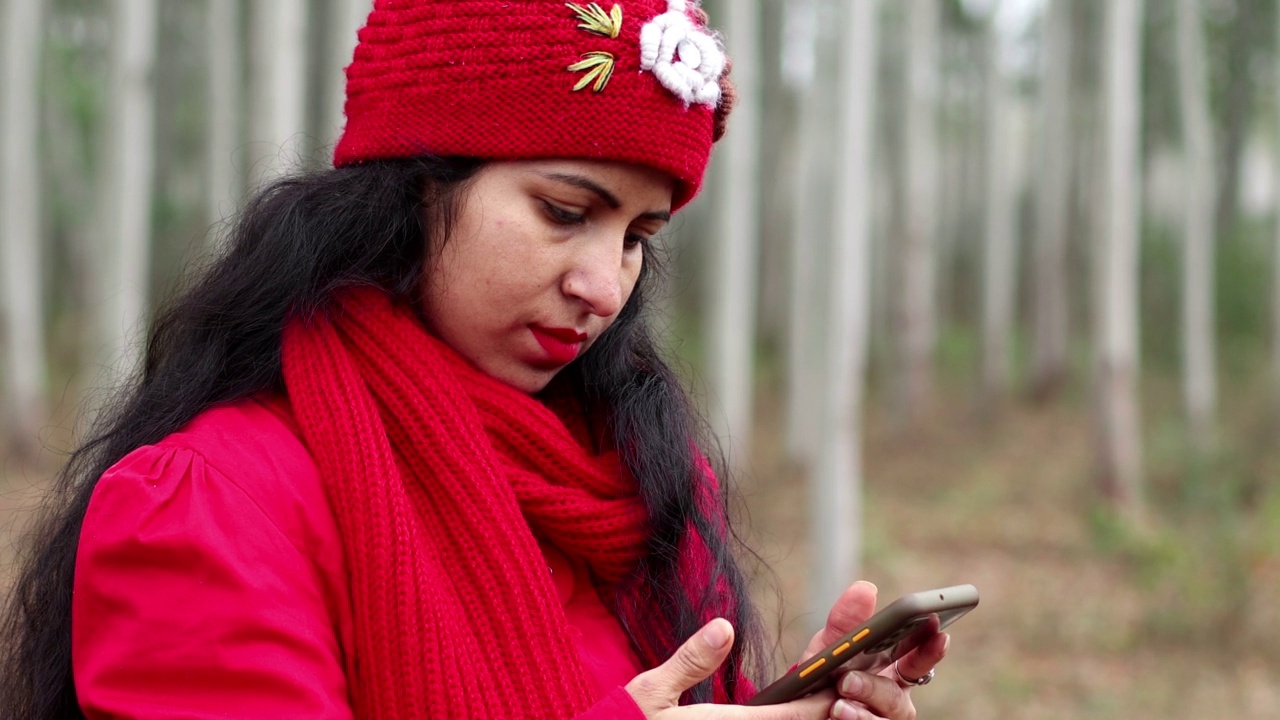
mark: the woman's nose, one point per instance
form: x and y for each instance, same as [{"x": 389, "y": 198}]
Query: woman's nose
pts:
[{"x": 595, "y": 278}]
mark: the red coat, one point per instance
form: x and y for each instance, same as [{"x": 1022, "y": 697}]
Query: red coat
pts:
[{"x": 210, "y": 583}]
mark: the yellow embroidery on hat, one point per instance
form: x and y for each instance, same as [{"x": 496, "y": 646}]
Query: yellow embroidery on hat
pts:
[
  {"x": 596, "y": 20},
  {"x": 599, "y": 67}
]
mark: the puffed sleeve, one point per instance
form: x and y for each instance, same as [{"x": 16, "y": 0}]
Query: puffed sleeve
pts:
[{"x": 191, "y": 602}]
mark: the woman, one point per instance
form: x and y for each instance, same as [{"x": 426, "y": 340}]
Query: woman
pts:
[{"x": 409, "y": 449}]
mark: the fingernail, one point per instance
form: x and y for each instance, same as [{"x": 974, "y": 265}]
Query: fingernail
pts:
[
  {"x": 869, "y": 584},
  {"x": 717, "y": 634},
  {"x": 946, "y": 643},
  {"x": 852, "y": 684},
  {"x": 843, "y": 711}
]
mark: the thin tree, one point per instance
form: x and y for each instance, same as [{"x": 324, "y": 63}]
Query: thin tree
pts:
[
  {"x": 1238, "y": 111},
  {"x": 917, "y": 324},
  {"x": 809, "y": 225},
  {"x": 780, "y": 126},
  {"x": 278, "y": 87},
  {"x": 1118, "y": 426},
  {"x": 1199, "y": 203},
  {"x": 80, "y": 216},
  {"x": 1050, "y": 318},
  {"x": 24, "y": 348},
  {"x": 731, "y": 319},
  {"x": 226, "y": 182},
  {"x": 127, "y": 188},
  {"x": 836, "y": 497},
  {"x": 1275, "y": 259},
  {"x": 1000, "y": 247}
]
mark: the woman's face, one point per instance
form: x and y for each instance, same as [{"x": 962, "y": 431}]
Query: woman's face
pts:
[{"x": 542, "y": 256}]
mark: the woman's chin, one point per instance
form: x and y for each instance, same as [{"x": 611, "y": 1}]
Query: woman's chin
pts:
[{"x": 526, "y": 377}]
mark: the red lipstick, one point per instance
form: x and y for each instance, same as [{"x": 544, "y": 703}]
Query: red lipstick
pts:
[{"x": 561, "y": 344}]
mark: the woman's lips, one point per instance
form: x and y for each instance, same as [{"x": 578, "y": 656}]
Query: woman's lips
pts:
[{"x": 561, "y": 344}]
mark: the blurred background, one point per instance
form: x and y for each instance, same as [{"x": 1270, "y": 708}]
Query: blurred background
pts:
[{"x": 978, "y": 291}]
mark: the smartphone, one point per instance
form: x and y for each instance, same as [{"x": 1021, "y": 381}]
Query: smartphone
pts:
[{"x": 888, "y": 635}]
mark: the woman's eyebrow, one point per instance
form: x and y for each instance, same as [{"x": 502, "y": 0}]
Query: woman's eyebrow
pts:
[
  {"x": 585, "y": 183},
  {"x": 663, "y": 215},
  {"x": 609, "y": 198}
]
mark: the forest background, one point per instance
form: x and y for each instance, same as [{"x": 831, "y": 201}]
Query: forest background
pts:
[{"x": 979, "y": 291}]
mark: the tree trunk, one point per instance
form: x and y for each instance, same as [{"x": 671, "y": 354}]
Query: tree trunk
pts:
[
  {"x": 1000, "y": 247},
  {"x": 127, "y": 193},
  {"x": 1050, "y": 328},
  {"x": 278, "y": 85},
  {"x": 1199, "y": 374},
  {"x": 226, "y": 183},
  {"x": 75, "y": 230},
  {"x": 886, "y": 282},
  {"x": 734, "y": 264},
  {"x": 1275, "y": 260},
  {"x": 918, "y": 322},
  {"x": 836, "y": 497},
  {"x": 810, "y": 223},
  {"x": 1239, "y": 109},
  {"x": 1119, "y": 466},
  {"x": 779, "y": 121},
  {"x": 25, "y": 358}
]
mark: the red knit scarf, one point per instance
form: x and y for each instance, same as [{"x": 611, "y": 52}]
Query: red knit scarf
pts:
[{"x": 440, "y": 477}]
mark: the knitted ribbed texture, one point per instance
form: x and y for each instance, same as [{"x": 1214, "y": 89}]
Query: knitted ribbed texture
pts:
[
  {"x": 439, "y": 477},
  {"x": 491, "y": 79}
]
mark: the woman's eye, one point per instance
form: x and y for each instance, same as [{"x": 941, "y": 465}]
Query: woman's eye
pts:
[
  {"x": 562, "y": 216},
  {"x": 633, "y": 240}
]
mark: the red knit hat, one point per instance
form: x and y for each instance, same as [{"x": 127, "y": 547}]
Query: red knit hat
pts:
[{"x": 631, "y": 80}]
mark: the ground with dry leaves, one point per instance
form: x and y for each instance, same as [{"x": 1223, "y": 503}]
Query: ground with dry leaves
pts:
[{"x": 1080, "y": 617}]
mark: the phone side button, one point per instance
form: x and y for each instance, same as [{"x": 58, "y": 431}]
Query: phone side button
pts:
[
  {"x": 841, "y": 649},
  {"x": 815, "y": 666},
  {"x": 865, "y": 632}
]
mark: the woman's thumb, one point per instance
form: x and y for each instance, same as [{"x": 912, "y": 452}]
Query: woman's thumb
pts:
[{"x": 696, "y": 660}]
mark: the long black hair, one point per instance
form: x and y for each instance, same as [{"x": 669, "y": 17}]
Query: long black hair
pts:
[{"x": 293, "y": 246}]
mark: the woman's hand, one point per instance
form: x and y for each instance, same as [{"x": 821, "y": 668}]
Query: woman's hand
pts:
[
  {"x": 864, "y": 695},
  {"x": 658, "y": 691}
]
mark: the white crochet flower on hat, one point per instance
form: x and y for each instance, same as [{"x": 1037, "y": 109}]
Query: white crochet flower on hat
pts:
[{"x": 685, "y": 58}]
